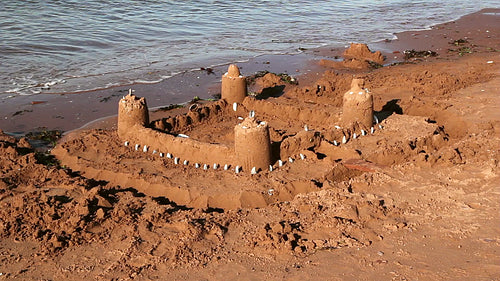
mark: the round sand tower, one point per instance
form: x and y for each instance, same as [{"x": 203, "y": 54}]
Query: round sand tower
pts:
[
  {"x": 234, "y": 85},
  {"x": 252, "y": 144},
  {"x": 131, "y": 111},
  {"x": 358, "y": 105}
]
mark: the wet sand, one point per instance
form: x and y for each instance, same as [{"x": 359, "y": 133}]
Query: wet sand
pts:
[
  {"x": 70, "y": 111},
  {"x": 417, "y": 198}
]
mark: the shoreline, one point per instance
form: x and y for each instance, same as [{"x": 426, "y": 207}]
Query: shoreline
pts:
[{"x": 70, "y": 111}]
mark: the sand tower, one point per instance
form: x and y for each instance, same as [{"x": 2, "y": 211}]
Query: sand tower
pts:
[
  {"x": 131, "y": 111},
  {"x": 252, "y": 144},
  {"x": 358, "y": 105},
  {"x": 234, "y": 85}
]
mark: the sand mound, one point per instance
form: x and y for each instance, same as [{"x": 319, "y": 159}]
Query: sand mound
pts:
[
  {"x": 362, "y": 52},
  {"x": 356, "y": 57}
]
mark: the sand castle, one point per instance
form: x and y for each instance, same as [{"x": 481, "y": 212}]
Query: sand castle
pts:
[
  {"x": 251, "y": 147},
  {"x": 248, "y": 152}
]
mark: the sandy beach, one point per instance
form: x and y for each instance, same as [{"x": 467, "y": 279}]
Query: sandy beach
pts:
[{"x": 410, "y": 193}]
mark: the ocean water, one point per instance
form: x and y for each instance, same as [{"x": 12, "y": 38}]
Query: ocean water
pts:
[{"x": 72, "y": 45}]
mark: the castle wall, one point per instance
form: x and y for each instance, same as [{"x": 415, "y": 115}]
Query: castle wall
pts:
[{"x": 185, "y": 148}]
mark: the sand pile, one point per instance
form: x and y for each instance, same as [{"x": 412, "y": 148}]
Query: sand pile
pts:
[{"x": 356, "y": 57}]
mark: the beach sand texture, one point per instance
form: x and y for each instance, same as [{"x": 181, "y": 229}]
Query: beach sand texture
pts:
[{"x": 413, "y": 196}]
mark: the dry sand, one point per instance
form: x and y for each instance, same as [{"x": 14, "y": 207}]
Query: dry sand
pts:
[{"x": 415, "y": 200}]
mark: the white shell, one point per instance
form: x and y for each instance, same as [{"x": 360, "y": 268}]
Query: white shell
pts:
[
  {"x": 240, "y": 118},
  {"x": 196, "y": 165},
  {"x": 237, "y": 169},
  {"x": 335, "y": 143},
  {"x": 280, "y": 163},
  {"x": 306, "y": 128},
  {"x": 137, "y": 146},
  {"x": 226, "y": 167},
  {"x": 183, "y": 136},
  {"x": 235, "y": 106},
  {"x": 251, "y": 114},
  {"x": 302, "y": 156},
  {"x": 338, "y": 127},
  {"x": 254, "y": 171},
  {"x": 290, "y": 159},
  {"x": 360, "y": 93},
  {"x": 372, "y": 130},
  {"x": 161, "y": 154},
  {"x": 176, "y": 160},
  {"x": 270, "y": 168},
  {"x": 154, "y": 151},
  {"x": 380, "y": 126},
  {"x": 375, "y": 118},
  {"x": 215, "y": 166},
  {"x": 354, "y": 136},
  {"x": 126, "y": 143},
  {"x": 344, "y": 140},
  {"x": 145, "y": 148},
  {"x": 186, "y": 162},
  {"x": 363, "y": 133},
  {"x": 205, "y": 167},
  {"x": 350, "y": 93},
  {"x": 169, "y": 155},
  {"x": 270, "y": 192}
]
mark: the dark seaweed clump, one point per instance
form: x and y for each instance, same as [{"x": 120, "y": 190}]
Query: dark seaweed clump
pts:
[{"x": 410, "y": 54}]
